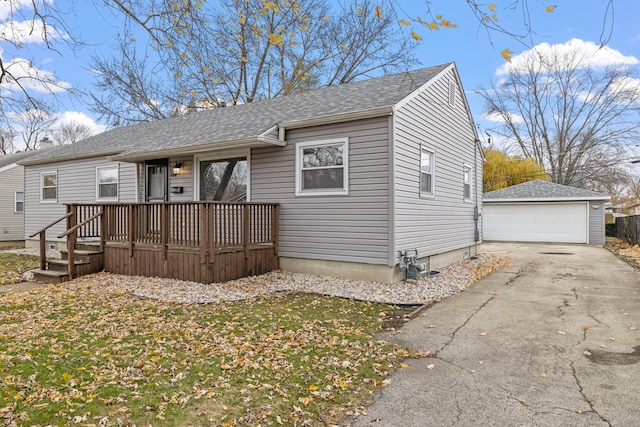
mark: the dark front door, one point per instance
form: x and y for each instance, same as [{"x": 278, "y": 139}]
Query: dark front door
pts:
[{"x": 157, "y": 180}]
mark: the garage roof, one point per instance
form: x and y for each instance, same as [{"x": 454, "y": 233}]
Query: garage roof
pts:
[{"x": 538, "y": 191}]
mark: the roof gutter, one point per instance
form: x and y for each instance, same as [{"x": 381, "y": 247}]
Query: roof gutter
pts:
[
  {"x": 213, "y": 146},
  {"x": 547, "y": 199},
  {"x": 73, "y": 157}
]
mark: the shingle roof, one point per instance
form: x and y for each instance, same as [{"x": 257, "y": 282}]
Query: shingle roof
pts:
[
  {"x": 541, "y": 190},
  {"x": 240, "y": 122},
  {"x": 10, "y": 159}
]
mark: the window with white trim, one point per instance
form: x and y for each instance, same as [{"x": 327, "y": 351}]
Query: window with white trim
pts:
[
  {"x": 18, "y": 202},
  {"x": 466, "y": 174},
  {"x": 427, "y": 169},
  {"x": 322, "y": 167},
  {"x": 49, "y": 187},
  {"x": 107, "y": 183}
]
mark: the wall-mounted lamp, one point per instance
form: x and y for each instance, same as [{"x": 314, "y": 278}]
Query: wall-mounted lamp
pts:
[{"x": 177, "y": 168}]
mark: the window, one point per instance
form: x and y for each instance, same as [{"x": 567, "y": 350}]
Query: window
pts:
[
  {"x": 107, "y": 183},
  {"x": 467, "y": 182},
  {"x": 49, "y": 187},
  {"x": 427, "y": 162},
  {"x": 322, "y": 167},
  {"x": 224, "y": 180},
  {"x": 19, "y": 202}
]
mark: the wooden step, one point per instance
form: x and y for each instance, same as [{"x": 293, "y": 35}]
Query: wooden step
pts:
[
  {"x": 80, "y": 254},
  {"x": 50, "y": 276},
  {"x": 63, "y": 264},
  {"x": 88, "y": 246}
]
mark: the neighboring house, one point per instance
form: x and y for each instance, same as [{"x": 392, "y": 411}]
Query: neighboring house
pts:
[
  {"x": 12, "y": 199},
  {"x": 541, "y": 211},
  {"x": 360, "y": 170},
  {"x": 627, "y": 209}
]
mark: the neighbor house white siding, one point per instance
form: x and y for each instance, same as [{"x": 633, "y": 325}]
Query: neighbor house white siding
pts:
[
  {"x": 11, "y": 222},
  {"x": 444, "y": 221},
  {"x": 353, "y": 227},
  {"x": 76, "y": 184}
]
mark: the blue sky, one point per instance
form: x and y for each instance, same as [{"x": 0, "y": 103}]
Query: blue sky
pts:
[{"x": 476, "y": 55}]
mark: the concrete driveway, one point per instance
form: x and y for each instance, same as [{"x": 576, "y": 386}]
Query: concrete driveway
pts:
[{"x": 552, "y": 340}]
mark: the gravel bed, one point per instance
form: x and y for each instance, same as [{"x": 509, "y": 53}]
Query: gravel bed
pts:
[
  {"x": 451, "y": 280},
  {"x": 32, "y": 251}
]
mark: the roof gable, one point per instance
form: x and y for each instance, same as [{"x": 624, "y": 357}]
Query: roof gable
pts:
[{"x": 538, "y": 190}]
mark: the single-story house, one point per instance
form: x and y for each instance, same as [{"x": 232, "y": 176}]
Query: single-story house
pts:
[
  {"x": 359, "y": 171},
  {"x": 541, "y": 211},
  {"x": 12, "y": 199}
]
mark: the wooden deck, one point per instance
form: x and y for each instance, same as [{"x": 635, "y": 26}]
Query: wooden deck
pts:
[{"x": 199, "y": 241}]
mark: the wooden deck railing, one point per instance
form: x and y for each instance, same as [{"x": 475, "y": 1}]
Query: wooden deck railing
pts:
[
  {"x": 228, "y": 240},
  {"x": 43, "y": 239}
]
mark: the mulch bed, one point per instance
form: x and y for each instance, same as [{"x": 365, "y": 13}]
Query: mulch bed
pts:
[{"x": 625, "y": 251}]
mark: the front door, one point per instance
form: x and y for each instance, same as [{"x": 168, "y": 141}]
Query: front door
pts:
[
  {"x": 157, "y": 191},
  {"x": 157, "y": 180}
]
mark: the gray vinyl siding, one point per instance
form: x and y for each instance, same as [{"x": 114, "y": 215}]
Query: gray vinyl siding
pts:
[
  {"x": 185, "y": 180},
  {"x": 445, "y": 221},
  {"x": 76, "y": 184},
  {"x": 353, "y": 227},
  {"x": 596, "y": 223},
  {"x": 11, "y": 222}
]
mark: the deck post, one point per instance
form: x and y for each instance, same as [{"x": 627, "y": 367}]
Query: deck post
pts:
[
  {"x": 43, "y": 250},
  {"x": 275, "y": 219},
  {"x": 131, "y": 213},
  {"x": 204, "y": 231},
  {"x": 72, "y": 221},
  {"x": 164, "y": 228},
  {"x": 103, "y": 227},
  {"x": 245, "y": 231}
]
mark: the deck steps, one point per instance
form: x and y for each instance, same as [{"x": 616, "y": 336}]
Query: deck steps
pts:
[
  {"x": 50, "y": 276},
  {"x": 88, "y": 259}
]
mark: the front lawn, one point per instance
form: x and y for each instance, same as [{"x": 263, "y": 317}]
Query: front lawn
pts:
[
  {"x": 77, "y": 355},
  {"x": 13, "y": 265}
]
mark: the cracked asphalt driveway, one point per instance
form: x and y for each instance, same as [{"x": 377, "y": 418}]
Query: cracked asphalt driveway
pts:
[{"x": 551, "y": 340}]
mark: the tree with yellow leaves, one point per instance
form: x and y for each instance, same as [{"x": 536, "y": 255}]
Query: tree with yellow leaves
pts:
[
  {"x": 208, "y": 54},
  {"x": 501, "y": 170}
]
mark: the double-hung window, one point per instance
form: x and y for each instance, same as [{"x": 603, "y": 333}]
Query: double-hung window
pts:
[
  {"x": 466, "y": 176},
  {"x": 49, "y": 187},
  {"x": 427, "y": 169},
  {"x": 19, "y": 202},
  {"x": 107, "y": 183},
  {"x": 322, "y": 167}
]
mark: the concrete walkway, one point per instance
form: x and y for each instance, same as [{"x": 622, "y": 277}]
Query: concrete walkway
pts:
[
  {"x": 22, "y": 286},
  {"x": 552, "y": 340}
]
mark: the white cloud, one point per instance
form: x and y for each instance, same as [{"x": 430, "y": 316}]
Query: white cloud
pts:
[
  {"x": 497, "y": 118},
  {"x": 21, "y": 32},
  {"x": 30, "y": 77},
  {"x": 80, "y": 118},
  {"x": 19, "y": 24},
  {"x": 590, "y": 54},
  {"x": 8, "y": 7}
]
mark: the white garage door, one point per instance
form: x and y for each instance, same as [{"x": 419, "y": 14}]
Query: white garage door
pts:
[{"x": 535, "y": 222}]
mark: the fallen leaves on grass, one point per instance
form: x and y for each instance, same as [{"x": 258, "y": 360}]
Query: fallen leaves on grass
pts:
[
  {"x": 13, "y": 265},
  {"x": 74, "y": 354}
]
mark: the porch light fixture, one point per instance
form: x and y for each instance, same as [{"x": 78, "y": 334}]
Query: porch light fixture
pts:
[{"x": 177, "y": 168}]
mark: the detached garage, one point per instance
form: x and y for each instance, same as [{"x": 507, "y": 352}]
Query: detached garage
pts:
[{"x": 540, "y": 211}]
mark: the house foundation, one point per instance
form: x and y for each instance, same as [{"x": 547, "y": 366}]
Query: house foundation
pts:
[{"x": 371, "y": 272}]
